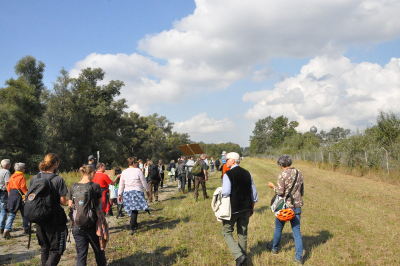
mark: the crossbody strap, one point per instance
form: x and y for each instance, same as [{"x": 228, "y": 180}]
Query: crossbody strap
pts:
[{"x": 290, "y": 190}]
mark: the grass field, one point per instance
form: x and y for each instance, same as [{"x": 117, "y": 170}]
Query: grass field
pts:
[{"x": 346, "y": 220}]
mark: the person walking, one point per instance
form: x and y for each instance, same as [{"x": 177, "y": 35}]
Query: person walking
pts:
[
  {"x": 84, "y": 202},
  {"x": 101, "y": 178},
  {"x": 289, "y": 177},
  {"x": 17, "y": 189},
  {"x": 181, "y": 174},
  {"x": 5, "y": 165},
  {"x": 131, "y": 190},
  {"x": 189, "y": 176},
  {"x": 201, "y": 178},
  {"x": 154, "y": 178},
  {"x": 161, "y": 170},
  {"x": 171, "y": 171},
  {"x": 238, "y": 184},
  {"x": 52, "y": 233}
]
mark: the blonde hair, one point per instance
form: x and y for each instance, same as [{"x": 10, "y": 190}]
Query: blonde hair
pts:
[
  {"x": 86, "y": 170},
  {"x": 49, "y": 161}
]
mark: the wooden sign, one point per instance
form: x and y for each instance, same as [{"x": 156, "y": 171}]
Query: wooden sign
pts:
[{"x": 191, "y": 149}]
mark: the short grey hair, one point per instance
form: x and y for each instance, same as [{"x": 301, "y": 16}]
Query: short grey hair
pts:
[
  {"x": 284, "y": 161},
  {"x": 19, "y": 166},
  {"x": 4, "y": 163},
  {"x": 203, "y": 156}
]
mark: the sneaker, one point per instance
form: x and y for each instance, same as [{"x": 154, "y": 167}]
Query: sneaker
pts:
[
  {"x": 274, "y": 251},
  {"x": 6, "y": 234}
]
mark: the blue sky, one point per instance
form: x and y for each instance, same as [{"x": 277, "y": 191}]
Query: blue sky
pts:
[{"x": 215, "y": 67}]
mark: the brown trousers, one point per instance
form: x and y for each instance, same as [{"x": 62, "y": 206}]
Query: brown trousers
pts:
[{"x": 200, "y": 180}]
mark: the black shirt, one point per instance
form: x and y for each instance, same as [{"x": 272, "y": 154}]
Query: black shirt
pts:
[{"x": 59, "y": 189}]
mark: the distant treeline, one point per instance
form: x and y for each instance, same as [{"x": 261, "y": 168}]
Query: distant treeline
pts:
[
  {"x": 376, "y": 147},
  {"x": 76, "y": 118}
]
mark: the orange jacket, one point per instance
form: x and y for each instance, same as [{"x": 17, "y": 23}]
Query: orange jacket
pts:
[
  {"x": 225, "y": 169},
  {"x": 17, "y": 181}
]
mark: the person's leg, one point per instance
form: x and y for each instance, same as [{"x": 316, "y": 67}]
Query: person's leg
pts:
[
  {"x": 58, "y": 240},
  {"x": 3, "y": 209},
  {"x": 227, "y": 230},
  {"x": 81, "y": 245},
  {"x": 242, "y": 224},
  {"x": 99, "y": 254},
  {"x": 196, "y": 186},
  {"x": 162, "y": 180},
  {"x": 156, "y": 190},
  {"x": 203, "y": 186},
  {"x": 298, "y": 241},
  {"x": 25, "y": 221},
  {"x": 189, "y": 181},
  {"x": 133, "y": 222},
  {"x": 151, "y": 192},
  {"x": 277, "y": 234},
  {"x": 10, "y": 221},
  {"x": 43, "y": 243},
  {"x": 183, "y": 182}
]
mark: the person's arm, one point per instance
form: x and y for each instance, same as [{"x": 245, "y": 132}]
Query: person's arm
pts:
[
  {"x": 63, "y": 200},
  {"x": 254, "y": 194},
  {"x": 22, "y": 185},
  {"x": 205, "y": 171},
  {"x": 121, "y": 187},
  {"x": 70, "y": 203},
  {"x": 63, "y": 191},
  {"x": 109, "y": 181},
  {"x": 226, "y": 186}
]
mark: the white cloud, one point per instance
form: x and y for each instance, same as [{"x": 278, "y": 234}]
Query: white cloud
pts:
[
  {"x": 202, "y": 124},
  {"x": 223, "y": 41},
  {"x": 332, "y": 91}
]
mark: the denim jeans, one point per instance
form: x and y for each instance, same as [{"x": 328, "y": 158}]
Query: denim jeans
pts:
[
  {"x": 3, "y": 209},
  {"x": 11, "y": 218},
  {"x": 298, "y": 242}
]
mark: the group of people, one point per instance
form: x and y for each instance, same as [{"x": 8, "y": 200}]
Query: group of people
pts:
[{"x": 91, "y": 199}]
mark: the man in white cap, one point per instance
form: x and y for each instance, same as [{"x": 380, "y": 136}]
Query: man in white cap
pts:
[{"x": 238, "y": 184}]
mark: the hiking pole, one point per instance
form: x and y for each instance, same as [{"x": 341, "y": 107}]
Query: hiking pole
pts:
[{"x": 30, "y": 235}]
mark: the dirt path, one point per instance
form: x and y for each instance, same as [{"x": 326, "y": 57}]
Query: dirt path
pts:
[{"x": 15, "y": 250}]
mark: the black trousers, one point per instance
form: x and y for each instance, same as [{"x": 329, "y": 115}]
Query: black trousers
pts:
[
  {"x": 83, "y": 237},
  {"x": 52, "y": 241},
  {"x": 133, "y": 222}
]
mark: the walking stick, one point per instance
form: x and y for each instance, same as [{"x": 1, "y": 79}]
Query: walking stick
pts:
[{"x": 30, "y": 235}]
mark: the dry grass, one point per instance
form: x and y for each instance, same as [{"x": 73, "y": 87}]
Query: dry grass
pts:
[{"x": 346, "y": 220}]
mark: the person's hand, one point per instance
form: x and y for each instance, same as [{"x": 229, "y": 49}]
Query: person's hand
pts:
[
  {"x": 271, "y": 185},
  {"x": 120, "y": 200}
]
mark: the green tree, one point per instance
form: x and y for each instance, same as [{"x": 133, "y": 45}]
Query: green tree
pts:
[{"x": 20, "y": 113}]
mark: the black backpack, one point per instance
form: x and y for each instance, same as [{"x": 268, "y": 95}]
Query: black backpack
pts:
[
  {"x": 84, "y": 208},
  {"x": 40, "y": 202},
  {"x": 154, "y": 174}
]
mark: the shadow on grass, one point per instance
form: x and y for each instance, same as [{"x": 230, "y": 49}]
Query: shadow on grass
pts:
[
  {"x": 309, "y": 243},
  {"x": 159, "y": 223},
  {"x": 15, "y": 258},
  {"x": 261, "y": 209},
  {"x": 157, "y": 257}
]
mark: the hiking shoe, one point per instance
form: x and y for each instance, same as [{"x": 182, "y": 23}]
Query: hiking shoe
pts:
[
  {"x": 6, "y": 234},
  {"x": 298, "y": 262},
  {"x": 241, "y": 260},
  {"x": 274, "y": 251}
]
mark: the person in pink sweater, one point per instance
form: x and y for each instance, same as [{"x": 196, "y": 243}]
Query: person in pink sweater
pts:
[{"x": 131, "y": 190}]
